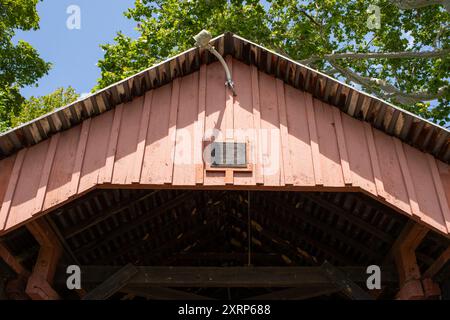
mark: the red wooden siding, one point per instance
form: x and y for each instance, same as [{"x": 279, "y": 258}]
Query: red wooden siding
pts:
[{"x": 156, "y": 141}]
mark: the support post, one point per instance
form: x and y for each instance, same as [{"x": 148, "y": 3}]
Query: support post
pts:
[
  {"x": 12, "y": 261},
  {"x": 39, "y": 286},
  {"x": 412, "y": 287},
  {"x": 15, "y": 288}
]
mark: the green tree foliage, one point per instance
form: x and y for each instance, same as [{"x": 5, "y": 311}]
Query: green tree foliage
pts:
[
  {"x": 413, "y": 34},
  {"x": 37, "y": 106},
  {"x": 20, "y": 64}
]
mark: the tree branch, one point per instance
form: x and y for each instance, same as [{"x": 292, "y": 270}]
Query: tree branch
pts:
[
  {"x": 417, "y": 4},
  {"x": 379, "y": 55},
  {"x": 310, "y": 18},
  {"x": 388, "y": 90}
]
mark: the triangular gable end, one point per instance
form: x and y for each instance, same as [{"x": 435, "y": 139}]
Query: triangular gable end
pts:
[{"x": 306, "y": 132}]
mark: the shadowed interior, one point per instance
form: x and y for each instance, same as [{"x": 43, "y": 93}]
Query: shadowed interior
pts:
[{"x": 114, "y": 227}]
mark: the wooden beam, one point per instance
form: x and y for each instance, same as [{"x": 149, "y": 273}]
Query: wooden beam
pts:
[
  {"x": 242, "y": 257},
  {"x": 207, "y": 227},
  {"x": 113, "y": 284},
  {"x": 318, "y": 245},
  {"x": 332, "y": 231},
  {"x": 410, "y": 238},
  {"x": 346, "y": 285},
  {"x": 424, "y": 258},
  {"x": 138, "y": 243},
  {"x": 200, "y": 228},
  {"x": 297, "y": 293},
  {"x": 61, "y": 240},
  {"x": 438, "y": 264},
  {"x": 12, "y": 261},
  {"x": 162, "y": 293},
  {"x": 93, "y": 220},
  {"x": 39, "y": 286},
  {"x": 137, "y": 223},
  {"x": 15, "y": 288},
  {"x": 333, "y": 208},
  {"x": 403, "y": 252},
  {"x": 278, "y": 243},
  {"x": 227, "y": 277}
]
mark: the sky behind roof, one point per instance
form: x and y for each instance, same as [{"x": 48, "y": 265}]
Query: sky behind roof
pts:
[{"x": 74, "y": 53}]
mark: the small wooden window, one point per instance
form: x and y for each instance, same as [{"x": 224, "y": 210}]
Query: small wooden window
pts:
[{"x": 228, "y": 155}]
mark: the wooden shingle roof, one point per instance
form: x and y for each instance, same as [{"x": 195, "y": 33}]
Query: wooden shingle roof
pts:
[{"x": 411, "y": 129}]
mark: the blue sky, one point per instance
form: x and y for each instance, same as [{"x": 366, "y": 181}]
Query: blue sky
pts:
[{"x": 74, "y": 53}]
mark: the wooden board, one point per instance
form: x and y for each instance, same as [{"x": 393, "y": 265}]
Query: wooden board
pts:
[{"x": 156, "y": 141}]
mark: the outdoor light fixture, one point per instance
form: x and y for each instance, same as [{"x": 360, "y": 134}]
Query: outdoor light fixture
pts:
[{"x": 202, "y": 40}]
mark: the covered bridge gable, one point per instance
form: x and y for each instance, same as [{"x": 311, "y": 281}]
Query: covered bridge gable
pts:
[{"x": 156, "y": 140}]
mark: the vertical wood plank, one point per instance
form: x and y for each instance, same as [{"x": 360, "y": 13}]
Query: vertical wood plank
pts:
[
  {"x": 215, "y": 125},
  {"x": 358, "y": 153},
  {"x": 374, "y": 160},
  {"x": 444, "y": 173},
  {"x": 391, "y": 174},
  {"x": 174, "y": 101},
  {"x": 342, "y": 145},
  {"x": 79, "y": 157},
  {"x": 96, "y": 150},
  {"x": 424, "y": 185},
  {"x": 10, "y": 190},
  {"x": 59, "y": 184},
  {"x": 127, "y": 142},
  {"x": 157, "y": 152},
  {"x": 287, "y": 175},
  {"x": 229, "y": 120},
  {"x": 407, "y": 178},
  {"x": 314, "y": 140},
  {"x": 299, "y": 140},
  {"x": 330, "y": 160},
  {"x": 200, "y": 126},
  {"x": 6, "y": 168},
  {"x": 229, "y": 108},
  {"x": 40, "y": 196},
  {"x": 142, "y": 136},
  {"x": 270, "y": 125},
  {"x": 106, "y": 172},
  {"x": 184, "y": 168},
  {"x": 243, "y": 118},
  {"x": 438, "y": 185},
  {"x": 257, "y": 158},
  {"x": 23, "y": 203}
]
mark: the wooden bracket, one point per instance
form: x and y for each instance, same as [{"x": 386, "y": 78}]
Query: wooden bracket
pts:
[
  {"x": 39, "y": 284},
  {"x": 438, "y": 264},
  {"x": 15, "y": 288},
  {"x": 12, "y": 261},
  {"x": 344, "y": 283},
  {"x": 404, "y": 254},
  {"x": 113, "y": 284},
  {"x": 431, "y": 289}
]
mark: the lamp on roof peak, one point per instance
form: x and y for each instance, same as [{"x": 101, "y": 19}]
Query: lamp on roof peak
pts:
[{"x": 202, "y": 40}]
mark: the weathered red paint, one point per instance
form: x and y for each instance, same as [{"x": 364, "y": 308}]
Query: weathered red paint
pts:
[{"x": 143, "y": 143}]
